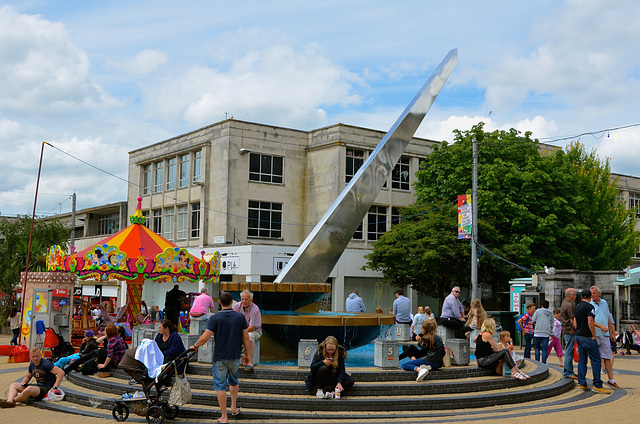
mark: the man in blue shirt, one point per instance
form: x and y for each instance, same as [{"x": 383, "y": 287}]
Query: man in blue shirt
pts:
[
  {"x": 452, "y": 315},
  {"x": 354, "y": 303},
  {"x": 231, "y": 331},
  {"x": 402, "y": 308},
  {"x": 604, "y": 332}
]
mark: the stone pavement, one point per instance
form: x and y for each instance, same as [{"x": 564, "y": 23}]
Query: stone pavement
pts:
[{"x": 619, "y": 407}]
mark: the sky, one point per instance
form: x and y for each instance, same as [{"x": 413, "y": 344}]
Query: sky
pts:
[{"x": 95, "y": 80}]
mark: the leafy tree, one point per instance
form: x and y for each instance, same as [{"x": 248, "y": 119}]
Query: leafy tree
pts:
[
  {"x": 536, "y": 206},
  {"x": 13, "y": 250}
]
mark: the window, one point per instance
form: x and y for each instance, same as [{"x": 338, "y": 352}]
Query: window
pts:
[
  {"x": 184, "y": 171},
  {"x": 146, "y": 179},
  {"x": 146, "y": 218},
  {"x": 195, "y": 220},
  {"x": 171, "y": 173},
  {"x": 265, "y": 168},
  {"x": 376, "y": 222},
  {"x": 395, "y": 216},
  {"x": 197, "y": 166},
  {"x": 265, "y": 219},
  {"x": 168, "y": 223},
  {"x": 158, "y": 177},
  {"x": 400, "y": 174},
  {"x": 634, "y": 203},
  {"x": 156, "y": 225},
  {"x": 182, "y": 223},
  {"x": 355, "y": 159},
  {"x": 359, "y": 234},
  {"x": 108, "y": 224}
]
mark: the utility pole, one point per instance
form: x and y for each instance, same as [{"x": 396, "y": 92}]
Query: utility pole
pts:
[
  {"x": 474, "y": 224},
  {"x": 73, "y": 219}
]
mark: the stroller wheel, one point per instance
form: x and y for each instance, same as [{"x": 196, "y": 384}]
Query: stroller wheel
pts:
[
  {"x": 120, "y": 412},
  {"x": 155, "y": 415},
  {"x": 171, "y": 412}
]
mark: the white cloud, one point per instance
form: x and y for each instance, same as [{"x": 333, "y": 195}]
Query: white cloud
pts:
[
  {"x": 41, "y": 70},
  {"x": 622, "y": 148},
  {"x": 144, "y": 63},
  {"x": 275, "y": 85}
]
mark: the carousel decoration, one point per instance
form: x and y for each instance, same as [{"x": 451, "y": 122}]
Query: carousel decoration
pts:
[{"x": 135, "y": 255}]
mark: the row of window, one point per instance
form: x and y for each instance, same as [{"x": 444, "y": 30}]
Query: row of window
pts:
[
  {"x": 399, "y": 175},
  {"x": 108, "y": 224},
  {"x": 634, "y": 203},
  {"x": 165, "y": 174},
  {"x": 175, "y": 223},
  {"x": 265, "y": 221}
]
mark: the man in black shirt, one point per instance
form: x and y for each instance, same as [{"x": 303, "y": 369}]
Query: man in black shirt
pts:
[
  {"x": 172, "y": 304},
  {"x": 587, "y": 344},
  {"x": 48, "y": 377}
]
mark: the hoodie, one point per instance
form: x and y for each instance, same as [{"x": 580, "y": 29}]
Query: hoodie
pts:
[
  {"x": 354, "y": 303},
  {"x": 543, "y": 323}
]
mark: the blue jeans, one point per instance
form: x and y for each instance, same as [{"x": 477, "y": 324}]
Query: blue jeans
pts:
[
  {"x": 412, "y": 365},
  {"x": 528, "y": 338},
  {"x": 541, "y": 345},
  {"x": 16, "y": 334},
  {"x": 569, "y": 341},
  {"x": 588, "y": 349}
]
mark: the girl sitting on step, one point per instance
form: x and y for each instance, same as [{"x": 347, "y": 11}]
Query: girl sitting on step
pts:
[
  {"x": 488, "y": 355},
  {"x": 328, "y": 374},
  {"x": 428, "y": 354}
]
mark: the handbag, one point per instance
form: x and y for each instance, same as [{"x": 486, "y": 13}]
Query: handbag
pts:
[{"x": 181, "y": 391}]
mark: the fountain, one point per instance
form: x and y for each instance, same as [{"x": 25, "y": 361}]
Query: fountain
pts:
[{"x": 303, "y": 281}]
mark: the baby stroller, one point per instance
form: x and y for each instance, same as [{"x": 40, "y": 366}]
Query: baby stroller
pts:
[
  {"x": 626, "y": 343},
  {"x": 151, "y": 406}
]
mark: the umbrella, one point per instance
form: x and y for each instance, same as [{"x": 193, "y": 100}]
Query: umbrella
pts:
[{"x": 135, "y": 254}]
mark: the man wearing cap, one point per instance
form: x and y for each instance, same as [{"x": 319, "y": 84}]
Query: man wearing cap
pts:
[{"x": 88, "y": 350}]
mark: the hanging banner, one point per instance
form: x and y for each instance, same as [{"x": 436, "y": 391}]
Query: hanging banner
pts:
[{"x": 465, "y": 216}]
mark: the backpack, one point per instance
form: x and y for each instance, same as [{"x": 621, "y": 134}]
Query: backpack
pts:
[
  {"x": 90, "y": 367},
  {"x": 518, "y": 321}
]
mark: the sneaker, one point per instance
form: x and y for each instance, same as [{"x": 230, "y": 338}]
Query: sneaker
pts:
[
  {"x": 613, "y": 384},
  {"x": 320, "y": 394},
  {"x": 424, "y": 371},
  {"x": 614, "y": 372},
  {"x": 585, "y": 388},
  {"x": 573, "y": 377},
  {"x": 603, "y": 371},
  {"x": 132, "y": 382},
  {"x": 328, "y": 395},
  {"x": 600, "y": 390},
  {"x": 7, "y": 404}
]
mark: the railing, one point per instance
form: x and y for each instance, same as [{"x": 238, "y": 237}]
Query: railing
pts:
[{"x": 633, "y": 308}]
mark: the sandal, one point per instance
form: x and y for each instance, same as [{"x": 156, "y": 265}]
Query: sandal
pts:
[
  {"x": 235, "y": 414},
  {"x": 520, "y": 376}
]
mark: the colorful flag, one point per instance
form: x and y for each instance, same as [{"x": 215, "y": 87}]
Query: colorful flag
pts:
[{"x": 465, "y": 216}]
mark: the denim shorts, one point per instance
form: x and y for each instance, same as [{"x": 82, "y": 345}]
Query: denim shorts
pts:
[{"x": 225, "y": 371}]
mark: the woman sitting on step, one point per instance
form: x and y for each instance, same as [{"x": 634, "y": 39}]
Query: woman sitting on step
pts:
[
  {"x": 328, "y": 375},
  {"x": 488, "y": 355},
  {"x": 429, "y": 352}
]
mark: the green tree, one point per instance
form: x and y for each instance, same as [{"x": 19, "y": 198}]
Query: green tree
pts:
[
  {"x": 536, "y": 206},
  {"x": 13, "y": 249}
]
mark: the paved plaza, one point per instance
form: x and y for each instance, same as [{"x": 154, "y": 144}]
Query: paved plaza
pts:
[{"x": 619, "y": 407}]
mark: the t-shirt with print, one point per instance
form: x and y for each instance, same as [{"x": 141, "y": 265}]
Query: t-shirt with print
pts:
[
  {"x": 584, "y": 310},
  {"x": 42, "y": 373}
]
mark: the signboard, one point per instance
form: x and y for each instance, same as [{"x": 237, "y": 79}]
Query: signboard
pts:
[
  {"x": 465, "y": 216},
  {"x": 229, "y": 264},
  {"x": 218, "y": 239},
  {"x": 279, "y": 264}
]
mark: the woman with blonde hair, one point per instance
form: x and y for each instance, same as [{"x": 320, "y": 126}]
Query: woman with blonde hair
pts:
[
  {"x": 488, "y": 355},
  {"x": 428, "y": 354},
  {"x": 476, "y": 315},
  {"x": 328, "y": 375}
]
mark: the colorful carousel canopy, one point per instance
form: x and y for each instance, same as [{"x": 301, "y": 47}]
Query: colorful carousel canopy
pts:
[{"x": 136, "y": 253}]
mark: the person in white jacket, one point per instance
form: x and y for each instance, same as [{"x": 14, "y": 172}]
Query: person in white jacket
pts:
[{"x": 542, "y": 330}]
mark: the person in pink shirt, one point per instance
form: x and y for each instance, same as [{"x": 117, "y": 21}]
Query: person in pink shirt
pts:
[
  {"x": 251, "y": 313},
  {"x": 202, "y": 304}
]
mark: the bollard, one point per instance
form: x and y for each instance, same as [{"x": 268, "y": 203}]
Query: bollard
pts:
[
  {"x": 385, "y": 354},
  {"x": 205, "y": 352},
  {"x": 459, "y": 351},
  {"x": 403, "y": 332},
  {"x": 306, "y": 349}
]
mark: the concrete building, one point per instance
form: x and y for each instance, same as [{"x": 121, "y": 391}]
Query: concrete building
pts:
[{"x": 255, "y": 191}]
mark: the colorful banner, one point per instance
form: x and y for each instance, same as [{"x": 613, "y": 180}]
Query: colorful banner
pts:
[{"x": 465, "y": 216}]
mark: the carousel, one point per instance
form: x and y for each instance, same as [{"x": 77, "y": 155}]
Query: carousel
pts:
[{"x": 135, "y": 256}]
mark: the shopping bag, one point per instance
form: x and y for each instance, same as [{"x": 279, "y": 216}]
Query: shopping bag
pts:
[
  {"x": 575, "y": 351},
  {"x": 447, "y": 357},
  {"x": 180, "y": 392},
  {"x": 54, "y": 395}
]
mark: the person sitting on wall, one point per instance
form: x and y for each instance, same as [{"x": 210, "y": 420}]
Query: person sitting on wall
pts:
[
  {"x": 328, "y": 374},
  {"x": 354, "y": 303},
  {"x": 48, "y": 377},
  {"x": 428, "y": 354},
  {"x": 251, "y": 313},
  {"x": 202, "y": 304},
  {"x": 452, "y": 315}
]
